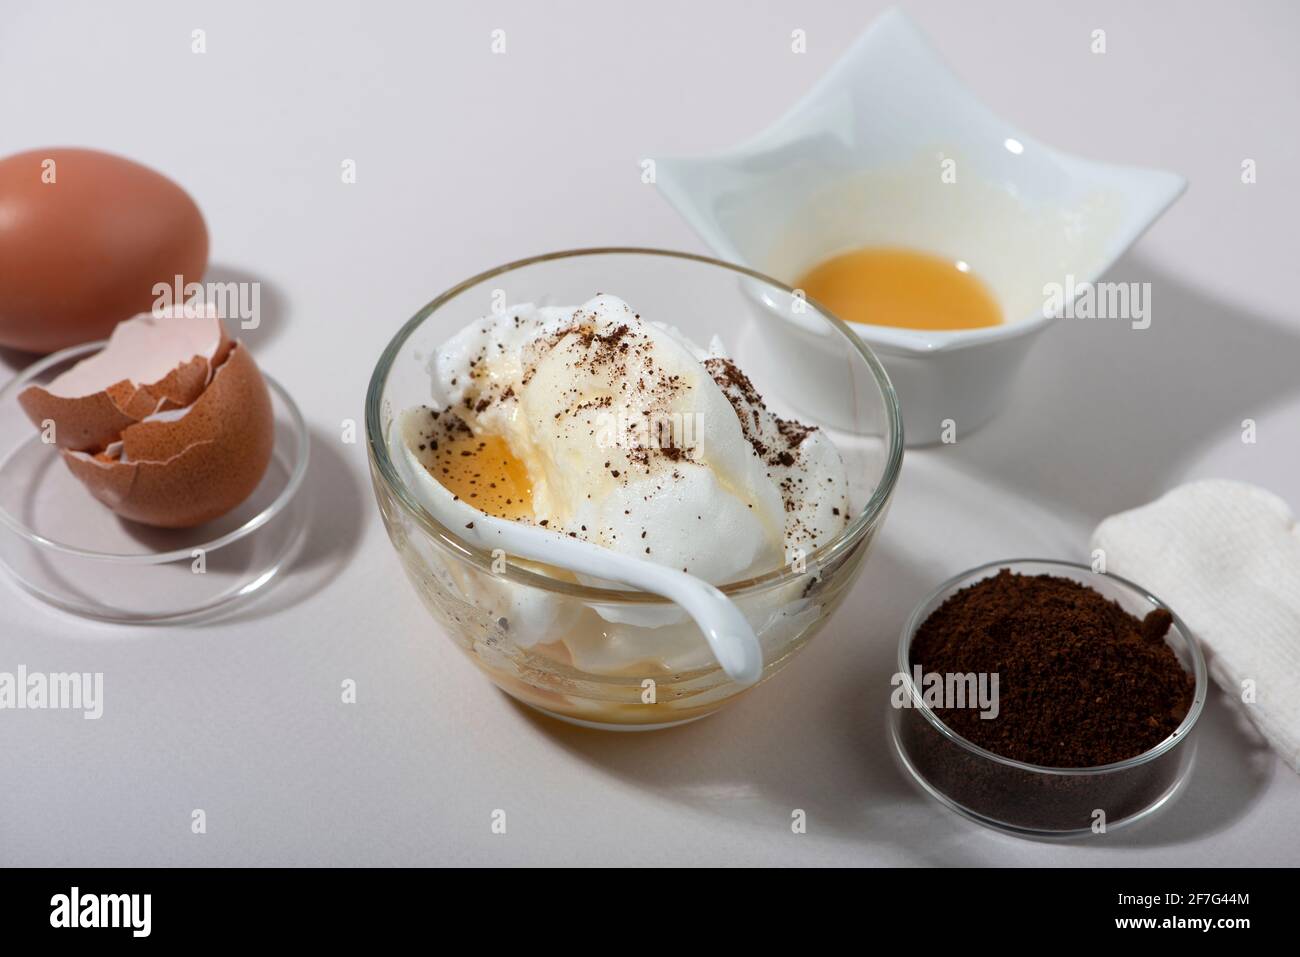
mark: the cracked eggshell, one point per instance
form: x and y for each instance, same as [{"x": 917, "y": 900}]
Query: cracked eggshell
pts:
[
  {"x": 150, "y": 364},
  {"x": 182, "y": 467}
]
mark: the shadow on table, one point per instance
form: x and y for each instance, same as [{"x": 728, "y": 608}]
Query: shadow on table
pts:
[
  {"x": 1105, "y": 416},
  {"x": 336, "y": 520},
  {"x": 15, "y": 360},
  {"x": 272, "y": 312}
]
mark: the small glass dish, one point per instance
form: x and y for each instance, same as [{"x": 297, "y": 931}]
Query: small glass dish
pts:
[
  {"x": 608, "y": 657},
  {"x": 1030, "y": 799},
  {"x": 68, "y": 550}
]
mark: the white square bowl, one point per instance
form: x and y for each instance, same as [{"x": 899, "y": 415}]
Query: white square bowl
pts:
[{"x": 890, "y": 149}]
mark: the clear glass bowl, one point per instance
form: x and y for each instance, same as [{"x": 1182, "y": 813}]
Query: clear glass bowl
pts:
[
  {"x": 639, "y": 662},
  {"x": 68, "y": 550},
  {"x": 1028, "y": 798}
]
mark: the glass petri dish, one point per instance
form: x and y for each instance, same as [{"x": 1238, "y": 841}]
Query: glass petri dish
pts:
[
  {"x": 65, "y": 548},
  {"x": 1029, "y": 799}
]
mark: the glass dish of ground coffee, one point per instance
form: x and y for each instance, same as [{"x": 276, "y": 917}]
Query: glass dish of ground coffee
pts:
[{"x": 1042, "y": 697}]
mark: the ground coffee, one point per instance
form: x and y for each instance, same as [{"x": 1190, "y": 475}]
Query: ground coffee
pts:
[{"x": 1081, "y": 682}]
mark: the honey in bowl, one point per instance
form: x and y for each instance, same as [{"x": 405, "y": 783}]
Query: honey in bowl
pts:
[{"x": 880, "y": 286}]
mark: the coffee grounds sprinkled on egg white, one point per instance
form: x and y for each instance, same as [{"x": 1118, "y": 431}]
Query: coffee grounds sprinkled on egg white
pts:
[{"x": 778, "y": 443}]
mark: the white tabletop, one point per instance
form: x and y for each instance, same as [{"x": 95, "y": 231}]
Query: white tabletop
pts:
[{"x": 465, "y": 160}]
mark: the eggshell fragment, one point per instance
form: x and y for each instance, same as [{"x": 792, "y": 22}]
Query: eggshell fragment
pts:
[
  {"x": 183, "y": 384},
  {"x": 101, "y": 474},
  {"x": 87, "y": 423},
  {"x": 131, "y": 399},
  {"x": 151, "y": 363},
  {"x": 182, "y": 467}
]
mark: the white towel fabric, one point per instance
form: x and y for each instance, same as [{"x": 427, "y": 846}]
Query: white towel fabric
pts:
[{"x": 1225, "y": 556}]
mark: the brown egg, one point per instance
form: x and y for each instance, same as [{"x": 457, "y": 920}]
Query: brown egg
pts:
[
  {"x": 84, "y": 237},
  {"x": 148, "y": 458}
]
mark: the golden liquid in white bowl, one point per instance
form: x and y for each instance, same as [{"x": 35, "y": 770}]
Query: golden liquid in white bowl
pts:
[{"x": 883, "y": 286}]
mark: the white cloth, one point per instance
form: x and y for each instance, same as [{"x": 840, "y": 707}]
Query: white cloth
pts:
[{"x": 1225, "y": 556}]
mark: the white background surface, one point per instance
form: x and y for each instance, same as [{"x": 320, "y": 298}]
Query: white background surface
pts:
[{"x": 466, "y": 160}]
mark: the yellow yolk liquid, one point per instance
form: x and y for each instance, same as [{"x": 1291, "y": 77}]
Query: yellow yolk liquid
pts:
[
  {"x": 482, "y": 471},
  {"x": 901, "y": 287}
]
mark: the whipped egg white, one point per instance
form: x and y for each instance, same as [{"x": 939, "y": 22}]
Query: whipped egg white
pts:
[{"x": 636, "y": 439}]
